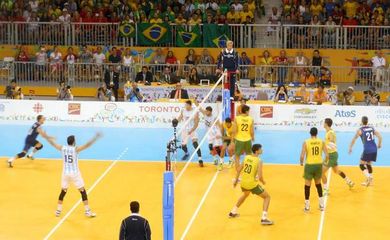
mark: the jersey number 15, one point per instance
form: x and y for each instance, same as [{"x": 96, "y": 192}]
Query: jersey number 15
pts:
[{"x": 68, "y": 158}]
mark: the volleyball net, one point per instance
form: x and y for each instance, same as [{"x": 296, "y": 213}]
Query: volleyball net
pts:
[{"x": 219, "y": 99}]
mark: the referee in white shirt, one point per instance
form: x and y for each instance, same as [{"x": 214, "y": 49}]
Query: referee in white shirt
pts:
[
  {"x": 135, "y": 227},
  {"x": 378, "y": 67}
]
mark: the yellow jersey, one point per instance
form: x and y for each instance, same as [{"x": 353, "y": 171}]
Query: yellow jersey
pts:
[
  {"x": 314, "y": 151},
  {"x": 244, "y": 126},
  {"x": 228, "y": 130},
  {"x": 330, "y": 141},
  {"x": 249, "y": 172}
]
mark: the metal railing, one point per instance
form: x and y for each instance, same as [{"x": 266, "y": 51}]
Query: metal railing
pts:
[
  {"x": 92, "y": 75},
  {"x": 244, "y": 35}
]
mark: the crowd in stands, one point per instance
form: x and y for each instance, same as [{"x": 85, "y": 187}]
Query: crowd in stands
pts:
[{"x": 139, "y": 11}]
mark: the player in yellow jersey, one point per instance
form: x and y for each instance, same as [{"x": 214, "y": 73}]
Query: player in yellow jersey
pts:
[
  {"x": 227, "y": 132},
  {"x": 330, "y": 141},
  {"x": 250, "y": 169},
  {"x": 243, "y": 134},
  {"x": 312, "y": 150}
]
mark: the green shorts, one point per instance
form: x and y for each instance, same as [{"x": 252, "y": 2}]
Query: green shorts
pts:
[
  {"x": 333, "y": 157},
  {"x": 312, "y": 171},
  {"x": 256, "y": 190},
  {"x": 241, "y": 147}
]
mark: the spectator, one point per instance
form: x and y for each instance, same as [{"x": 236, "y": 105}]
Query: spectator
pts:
[
  {"x": 168, "y": 77},
  {"x": 10, "y": 90},
  {"x": 338, "y": 15},
  {"x": 350, "y": 7},
  {"x": 301, "y": 32},
  {"x": 127, "y": 62},
  {"x": 221, "y": 19},
  {"x": 158, "y": 59},
  {"x": 223, "y": 7},
  {"x": 282, "y": 61},
  {"x": 179, "y": 93},
  {"x": 64, "y": 92},
  {"x": 325, "y": 77},
  {"x": 378, "y": 67},
  {"x": 40, "y": 63},
  {"x": 145, "y": 76},
  {"x": 303, "y": 93},
  {"x": 348, "y": 96},
  {"x": 171, "y": 60},
  {"x": 315, "y": 32},
  {"x": 330, "y": 32},
  {"x": 195, "y": 20},
  {"x": 237, "y": 6},
  {"x": 316, "y": 8},
  {"x": 22, "y": 68},
  {"x": 194, "y": 77},
  {"x": 281, "y": 94},
  {"x": 70, "y": 60},
  {"x": 243, "y": 62},
  {"x": 105, "y": 94},
  {"x": 156, "y": 18},
  {"x": 252, "y": 6},
  {"x": 18, "y": 93},
  {"x": 65, "y": 17},
  {"x": 316, "y": 63},
  {"x": 56, "y": 62},
  {"x": 115, "y": 56},
  {"x": 180, "y": 20},
  {"x": 329, "y": 8},
  {"x": 308, "y": 78},
  {"x": 232, "y": 16},
  {"x": 371, "y": 97},
  {"x": 134, "y": 94},
  {"x": 135, "y": 226},
  {"x": 246, "y": 13},
  {"x": 213, "y": 5},
  {"x": 266, "y": 70},
  {"x": 320, "y": 95},
  {"x": 190, "y": 59},
  {"x": 209, "y": 19},
  {"x": 300, "y": 63},
  {"x": 111, "y": 79}
]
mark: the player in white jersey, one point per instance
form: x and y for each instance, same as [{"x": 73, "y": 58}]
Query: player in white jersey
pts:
[
  {"x": 71, "y": 172},
  {"x": 209, "y": 119},
  {"x": 189, "y": 130}
]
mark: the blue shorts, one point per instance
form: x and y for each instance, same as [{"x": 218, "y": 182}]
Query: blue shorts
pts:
[
  {"x": 368, "y": 157},
  {"x": 29, "y": 144}
]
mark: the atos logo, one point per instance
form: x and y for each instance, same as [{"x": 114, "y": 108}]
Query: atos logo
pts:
[{"x": 345, "y": 114}]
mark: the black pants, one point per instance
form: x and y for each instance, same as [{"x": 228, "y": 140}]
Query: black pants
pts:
[{"x": 232, "y": 82}]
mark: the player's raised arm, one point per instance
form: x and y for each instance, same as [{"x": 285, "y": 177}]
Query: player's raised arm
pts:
[
  {"x": 202, "y": 110},
  {"x": 43, "y": 134},
  {"x": 357, "y": 135},
  {"x": 88, "y": 144},
  {"x": 303, "y": 153},
  {"x": 180, "y": 116},
  {"x": 53, "y": 143},
  {"x": 379, "y": 136}
]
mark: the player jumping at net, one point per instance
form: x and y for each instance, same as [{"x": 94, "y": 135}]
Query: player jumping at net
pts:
[
  {"x": 209, "y": 120},
  {"x": 71, "y": 172},
  {"x": 252, "y": 168},
  {"x": 189, "y": 131},
  {"x": 31, "y": 141},
  {"x": 367, "y": 135},
  {"x": 227, "y": 132},
  {"x": 312, "y": 149},
  {"x": 243, "y": 135},
  {"x": 330, "y": 141}
]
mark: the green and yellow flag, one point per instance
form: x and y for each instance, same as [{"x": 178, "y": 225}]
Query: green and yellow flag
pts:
[
  {"x": 215, "y": 35},
  {"x": 188, "y": 38},
  {"x": 127, "y": 29},
  {"x": 150, "y": 34}
]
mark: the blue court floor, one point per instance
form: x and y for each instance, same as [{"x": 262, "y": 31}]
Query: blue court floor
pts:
[{"x": 280, "y": 147}]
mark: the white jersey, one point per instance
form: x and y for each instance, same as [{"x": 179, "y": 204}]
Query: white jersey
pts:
[
  {"x": 71, "y": 161},
  {"x": 187, "y": 115},
  {"x": 208, "y": 121}
]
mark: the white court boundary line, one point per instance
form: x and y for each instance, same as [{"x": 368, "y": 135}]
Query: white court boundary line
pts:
[
  {"x": 188, "y": 227},
  {"x": 321, "y": 227},
  {"x": 52, "y": 231}
]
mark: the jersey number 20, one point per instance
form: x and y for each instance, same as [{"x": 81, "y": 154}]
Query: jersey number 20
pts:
[
  {"x": 68, "y": 158},
  {"x": 247, "y": 168}
]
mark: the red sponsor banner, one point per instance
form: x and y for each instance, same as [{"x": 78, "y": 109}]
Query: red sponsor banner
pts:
[{"x": 266, "y": 112}]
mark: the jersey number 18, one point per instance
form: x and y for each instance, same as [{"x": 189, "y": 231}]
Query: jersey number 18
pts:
[{"x": 315, "y": 151}]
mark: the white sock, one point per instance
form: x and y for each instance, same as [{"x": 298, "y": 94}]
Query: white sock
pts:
[
  {"x": 199, "y": 158},
  {"x": 347, "y": 179},
  {"x": 264, "y": 216},
  {"x": 365, "y": 172},
  {"x": 11, "y": 159},
  {"x": 87, "y": 208},
  {"x": 221, "y": 160},
  {"x": 325, "y": 186},
  {"x": 59, "y": 207},
  {"x": 307, "y": 202},
  {"x": 234, "y": 210},
  {"x": 321, "y": 199}
]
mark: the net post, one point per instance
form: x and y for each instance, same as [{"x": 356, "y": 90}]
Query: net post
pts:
[{"x": 168, "y": 205}]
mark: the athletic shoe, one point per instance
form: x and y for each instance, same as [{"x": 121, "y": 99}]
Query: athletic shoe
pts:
[
  {"x": 58, "y": 213},
  {"x": 266, "y": 222},
  {"x": 321, "y": 207},
  {"x": 90, "y": 214},
  {"x": 306, "y": 208},
  {"x": 233, "y": 215},
  {"x": 30, "y": 157},
  {"x": 230, "y": 164},
  {"x": 220, "y": 166},
  {"x": 350, "y": 184},
  {"x": 215, "y": 161},
  {"x": 185, "y": 157},
  {"x": 9, "y": 162},
  {"x": 367, "y": 183},
  {"x": 201, "y": 163}
]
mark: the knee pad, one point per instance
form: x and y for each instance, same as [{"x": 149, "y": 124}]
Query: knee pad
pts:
[
  {"x": 62, "y": 195},
  {"x": 362, "y": 167},
  {"x": 195, "y": 144},
  {"x": 84, "y": 195},
  {"x": 40, "y": 147},
  {"x": 22, "y": 154},
  {"x": 211, "y": 146}
]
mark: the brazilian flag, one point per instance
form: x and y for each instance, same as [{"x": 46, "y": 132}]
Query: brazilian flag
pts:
[
  {"x": 127, "y": 29},
  {"x": 151, "y": 34},
  {"x": 215, "y": 35},
  {"x": 188, "y": 39}
]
